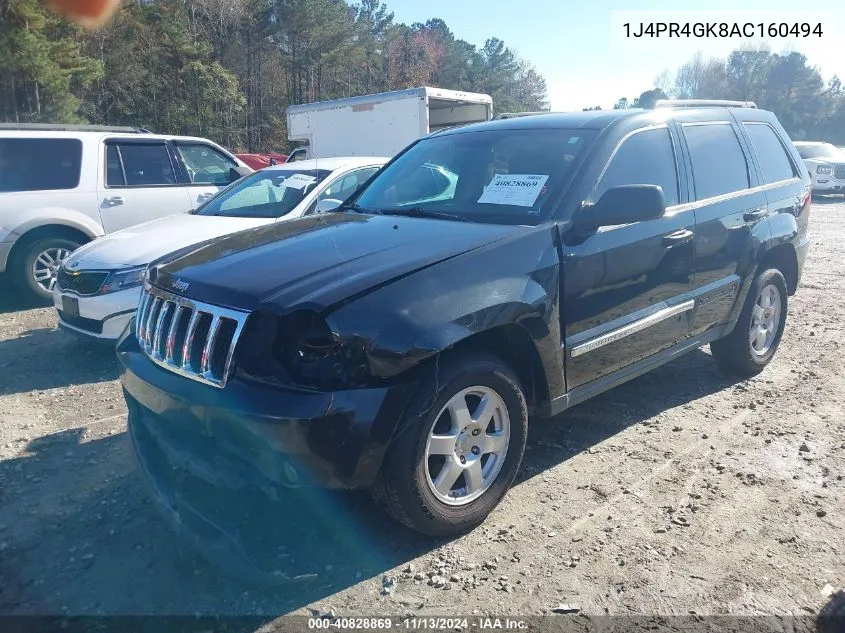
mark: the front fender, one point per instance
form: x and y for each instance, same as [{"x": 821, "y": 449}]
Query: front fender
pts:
[{"x": 514, "y": 281}]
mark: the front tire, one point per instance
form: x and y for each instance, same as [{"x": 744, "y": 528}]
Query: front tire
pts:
[
  {"x": 36, "y": 267},
  {"x": 755, "y": 339},
  {"x": 453, "y": 459}
]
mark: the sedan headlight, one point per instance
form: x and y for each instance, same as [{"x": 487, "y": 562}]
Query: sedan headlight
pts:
[
  {"x": 824, "y": 170},
  {"x": 123, "y": 279}
]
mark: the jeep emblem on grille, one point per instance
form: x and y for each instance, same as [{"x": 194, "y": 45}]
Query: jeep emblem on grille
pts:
[{"x": 180, "y": 286}]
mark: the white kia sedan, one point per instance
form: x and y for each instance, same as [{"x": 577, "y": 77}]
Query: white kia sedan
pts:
[{"x": 98, "y": 286}]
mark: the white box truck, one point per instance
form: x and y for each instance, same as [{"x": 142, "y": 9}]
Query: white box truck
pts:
[{"x": 381, "y": 124}]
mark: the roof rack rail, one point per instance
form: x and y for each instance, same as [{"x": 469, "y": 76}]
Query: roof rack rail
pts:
[
  {"x": 60, "y": 127},
  {"x": 513, "y": 115},
  {"x": 703, "y": 103}
]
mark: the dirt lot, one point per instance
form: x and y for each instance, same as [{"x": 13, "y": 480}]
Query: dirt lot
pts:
[{"x": 680, "y": 492}]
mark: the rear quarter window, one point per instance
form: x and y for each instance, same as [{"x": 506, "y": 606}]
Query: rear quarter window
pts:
[
  {"x": 718, "y": 162},
  {"x": 40, "y": 164},
  {"x": 770, "y": 153}
]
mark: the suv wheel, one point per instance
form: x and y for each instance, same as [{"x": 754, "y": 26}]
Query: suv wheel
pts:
[
  {"x": 755, "y": 339},
  {"x": 453, "y": 460},
  {"x": 38, "y": 265}
]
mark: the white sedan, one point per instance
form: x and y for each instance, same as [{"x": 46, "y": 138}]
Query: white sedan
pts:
[
  {"x": 98, "y": 286},
  {"x": 826, "y": 164}
]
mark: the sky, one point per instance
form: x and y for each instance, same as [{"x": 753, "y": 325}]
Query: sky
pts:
[{"x": 581, "y": 50}]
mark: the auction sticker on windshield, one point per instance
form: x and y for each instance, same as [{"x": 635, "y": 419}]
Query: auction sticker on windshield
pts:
[
  {"x": 520, "y": 190},
  {"x": 299, "y": 181}
]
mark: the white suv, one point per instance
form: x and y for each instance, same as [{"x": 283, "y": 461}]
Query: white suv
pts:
[
  {"x": 826, "y": 164},
  {"x": 62, "y": 186}
]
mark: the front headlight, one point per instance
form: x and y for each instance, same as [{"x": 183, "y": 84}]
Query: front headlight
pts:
[
  {"x": 123, "y": 279},
  {"x": 824, "y": 170},
  {"x": 300, "y": 348}
]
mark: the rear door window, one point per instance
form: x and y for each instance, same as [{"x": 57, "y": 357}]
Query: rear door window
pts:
[
  {"x": 718, "y": 162},
  {"x": 771, "y": 155},
  {"x": 40, "y": 164},
  {"x": 139, "y": 165},
  {"x": 645, "y": 158}
]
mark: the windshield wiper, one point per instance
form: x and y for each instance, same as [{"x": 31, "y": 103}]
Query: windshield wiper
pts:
[
  {"x": 419, "y": 212},
  {"x": 358, "y": 209}
]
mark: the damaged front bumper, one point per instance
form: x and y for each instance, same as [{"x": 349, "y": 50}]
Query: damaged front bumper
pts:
[{"x": 221, "y": 461}]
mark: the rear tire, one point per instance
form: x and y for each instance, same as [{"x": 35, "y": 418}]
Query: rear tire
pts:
[
  {"x": 751, "y": 346},
  {"x": 35, "y": 267},
  {"x": 476, "y": 426}
]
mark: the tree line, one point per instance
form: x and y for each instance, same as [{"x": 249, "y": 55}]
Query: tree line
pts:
[
  {"x": 787, "y": 84},
  {"x": 228, "y": 69}
]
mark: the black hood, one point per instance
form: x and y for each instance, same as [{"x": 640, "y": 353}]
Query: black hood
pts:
[{"x": 317, "y": 261}]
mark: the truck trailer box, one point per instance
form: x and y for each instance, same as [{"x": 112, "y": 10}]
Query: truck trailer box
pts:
[{"x": 382, "y": 124}]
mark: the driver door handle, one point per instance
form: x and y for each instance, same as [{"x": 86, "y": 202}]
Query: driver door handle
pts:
[
  {"x": 678, "y": 237},
  {"x": 114, "y": 201}
]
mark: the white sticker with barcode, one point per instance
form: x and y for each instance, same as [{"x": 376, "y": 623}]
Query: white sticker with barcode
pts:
[
  {"x": 299, "y": 181},
  {"x": 520, "y": 190}
]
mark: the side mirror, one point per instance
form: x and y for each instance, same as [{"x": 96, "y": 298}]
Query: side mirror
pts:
[
  {"x": 626, "y": 204},
  {"x": 236, "y": 173},
  {"x": 328, "y": 205}
]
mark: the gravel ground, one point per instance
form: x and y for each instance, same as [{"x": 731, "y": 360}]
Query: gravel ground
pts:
[{"x": 680, "y": 492}]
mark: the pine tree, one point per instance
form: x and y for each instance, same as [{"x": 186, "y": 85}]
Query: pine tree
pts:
[{"x": 41, "y": 64}]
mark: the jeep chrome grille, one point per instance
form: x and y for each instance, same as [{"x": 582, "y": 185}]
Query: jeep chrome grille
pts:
[{"x": 192, "y": 339}]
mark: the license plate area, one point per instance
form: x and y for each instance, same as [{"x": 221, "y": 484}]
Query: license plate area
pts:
[{"x": 70, "y": 306}]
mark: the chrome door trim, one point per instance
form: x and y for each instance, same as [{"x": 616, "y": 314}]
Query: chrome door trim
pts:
[{"x": 631, "y": 328}]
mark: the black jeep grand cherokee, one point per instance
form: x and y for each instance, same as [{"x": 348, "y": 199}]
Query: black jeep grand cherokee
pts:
[{"x": 488, "y": 274}]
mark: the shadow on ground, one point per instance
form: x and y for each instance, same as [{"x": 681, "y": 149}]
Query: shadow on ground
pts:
[
  {"x": 82, "y": 538},
  {"x": 46, "y": 358},
  {"x": 11, "y": 300},
  {"x": 830, "y": 199}
]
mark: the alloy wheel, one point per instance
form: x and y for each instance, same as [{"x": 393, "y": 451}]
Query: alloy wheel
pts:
[
  {"x": 45, "y": 268},
  {"x": 765, "y": 320},
  {"x": 467, "y": 445}
]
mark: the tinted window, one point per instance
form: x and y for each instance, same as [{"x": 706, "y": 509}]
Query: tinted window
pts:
[
  {"x": 718, "y": 164},
  {"x": 114, "y": 168},
  {"x": 646, "y": 158},
  {"x": 770, "y": 153},
  {"x": 507, "y": 176},
  {"x": 269, "y": 193},
  {"x": 144, "y": 164},
  {"x": 206, "y": 166},
  {"x": 39, "y": 164}
]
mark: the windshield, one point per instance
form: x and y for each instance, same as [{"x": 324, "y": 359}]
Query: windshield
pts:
[
  {"x": 822, "y": 150},
  {"x": 270, "y": 193},
  {"x": 496, "y": 176}
]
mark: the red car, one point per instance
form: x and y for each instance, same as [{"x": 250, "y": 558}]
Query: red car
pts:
[{"x": 260, "y": 161}]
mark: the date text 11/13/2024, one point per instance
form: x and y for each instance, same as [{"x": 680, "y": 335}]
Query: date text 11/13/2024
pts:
[
  {"x": 722, "y": 29},
  {"x": 417, "y": 624}
]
